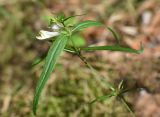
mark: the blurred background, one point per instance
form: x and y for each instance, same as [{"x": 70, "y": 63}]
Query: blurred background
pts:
[{"x": 72, "y": 85}]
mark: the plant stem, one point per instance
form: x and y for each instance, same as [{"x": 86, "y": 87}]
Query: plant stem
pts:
[
  {"x": 99, "y": 78},
  {"x": 126, "y": 105}
]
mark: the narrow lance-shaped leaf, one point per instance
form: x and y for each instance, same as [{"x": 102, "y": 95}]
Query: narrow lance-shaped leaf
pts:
[
  {"x": 127, "y": 105},
  {"x": 72, "y": 17},
  {"x": 37, "y": 61},
  {"x": 85, "y": 24},
  {"x": 115, "y": 35},
  {"x": 114, "y": 48},
  {"x": 50, "y": 61},
  {"x": 102, "y": 98},
  {"x": 90, "y": 23}
]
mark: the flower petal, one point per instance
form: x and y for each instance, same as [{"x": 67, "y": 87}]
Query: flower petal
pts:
[
  {"x": 46, "y": 34},
  {"x": 55, "y": 27}
]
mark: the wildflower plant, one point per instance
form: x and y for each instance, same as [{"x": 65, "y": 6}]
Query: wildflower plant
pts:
[{"x": 59, "y": 37}]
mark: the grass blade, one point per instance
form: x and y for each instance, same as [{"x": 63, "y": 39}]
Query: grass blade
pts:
[
  {"x": 114, "y": 48},
  {"x": 85, "y": 24},
  {"x": 50, "y": 61}
]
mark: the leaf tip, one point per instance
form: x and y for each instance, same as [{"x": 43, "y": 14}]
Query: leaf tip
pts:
[
  {"x": 141, "y": 50},
  {"x": 34, "y": 109}
]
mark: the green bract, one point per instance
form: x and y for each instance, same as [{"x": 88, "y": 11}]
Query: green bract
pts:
[{"x": 63, "y": 34}]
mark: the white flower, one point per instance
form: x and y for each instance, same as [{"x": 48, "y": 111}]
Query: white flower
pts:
[
  {"x": 46, "y": 34},
  {"x": 55, "y": 27}
]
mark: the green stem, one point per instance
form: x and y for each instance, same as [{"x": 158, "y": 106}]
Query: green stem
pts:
[
  {"x": 126, "y": 105},
  {"x": 99, "y": 78}
]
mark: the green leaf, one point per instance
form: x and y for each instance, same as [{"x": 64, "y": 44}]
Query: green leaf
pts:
[
  {"x": 127, "y": 105},
  {"x": 85, "y": 24},
  {"x": 50, "y": 61},
  {"x": 70, "y": 22},
  {"x": 120, "y": 86},
  {"x": 78, "y": 40},
  {"x": 60, "y": 17},
  {"x": 109, "y": 85},
  {"x": 115, "y": 35},
  {"x": 73, "y": 16},
  {"x": 114, "y": 48},
  {"x": 37, "y": 61},
  {"x": 102, "y": 98}
]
